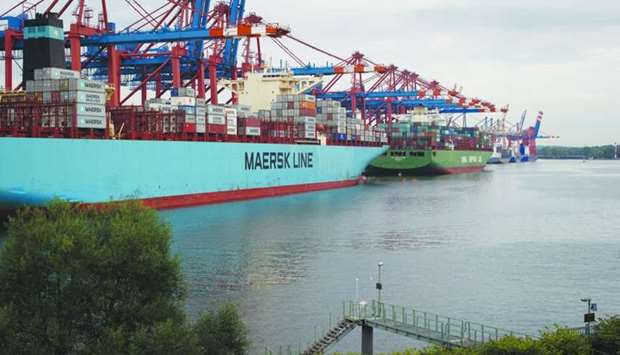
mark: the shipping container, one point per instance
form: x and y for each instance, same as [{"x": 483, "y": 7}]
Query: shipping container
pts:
[{"x": 55, "y": 74}]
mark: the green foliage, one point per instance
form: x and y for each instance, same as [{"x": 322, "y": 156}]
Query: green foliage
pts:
[
  {"x": 563, "y": 341},
  {"x": 606, "y": 336},
  {"x": 221, "y": 332},
  {"x": 599, "y": 152},
  {"x": 85, "y": 280},
  {"x": 555, "y": 341}
]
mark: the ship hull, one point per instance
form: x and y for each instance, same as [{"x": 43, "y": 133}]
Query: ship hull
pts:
[
  {"x": 411, "y": 162},
  {"x": 167, "y": 174}
]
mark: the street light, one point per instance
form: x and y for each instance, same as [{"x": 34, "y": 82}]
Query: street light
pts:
[
  {"x": 588, "y": 317},
  {"x": 379, "y": 286}
]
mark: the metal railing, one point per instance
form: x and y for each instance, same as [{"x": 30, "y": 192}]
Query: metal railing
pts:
[{"x": 426, "y": 325}]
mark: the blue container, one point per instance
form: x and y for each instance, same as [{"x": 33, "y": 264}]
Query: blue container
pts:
[
  {"x": 342, "y": 137},
  {"x": 11, "y": 23}
]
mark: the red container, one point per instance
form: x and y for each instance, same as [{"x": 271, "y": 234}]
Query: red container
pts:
[
  {"x": 250, "y": 122},
  {"x": 189, "y": 127},
  {"x": 55, "y": 96},
  {"x": 307, "y": 112},
  {"x": 216, "y": 128}
]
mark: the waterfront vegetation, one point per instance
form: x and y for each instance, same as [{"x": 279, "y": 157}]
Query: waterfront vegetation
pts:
[
  {"x": 556, "y": 341},
  {"x": 85, "y": 280},
  {"x": 558, "y": 152}
]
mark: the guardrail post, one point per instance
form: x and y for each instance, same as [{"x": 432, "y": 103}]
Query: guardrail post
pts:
[
  {"x": 496, "y": 334},
  {"x": 426, "y": 325},
  {"x": 344, "y": 310},
  {"x": 415, "y": 321},
  {"x": 404, "y": 316},
  {"x": 436, "y": 322},
  {"x": 393, "y": 313},
  {"x": 482, "y": 332},
  {"x": 448, "y": 327}
]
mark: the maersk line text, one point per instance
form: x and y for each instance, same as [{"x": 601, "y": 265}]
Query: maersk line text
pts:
[{"x": 278, "y": 160}]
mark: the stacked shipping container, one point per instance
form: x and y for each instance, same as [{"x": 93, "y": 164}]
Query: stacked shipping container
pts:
[
  {"x": 86, "y": 98},
  {"x": 300, "y": 109}
]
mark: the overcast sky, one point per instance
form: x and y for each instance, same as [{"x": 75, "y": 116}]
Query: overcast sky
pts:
[{"x": 561, "y": 57}]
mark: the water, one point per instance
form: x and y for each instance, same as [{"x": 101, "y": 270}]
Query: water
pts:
[{"x": 516, "y": 247}]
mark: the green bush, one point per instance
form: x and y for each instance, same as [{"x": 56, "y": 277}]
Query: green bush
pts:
[
  {"x": 85, "y": 280},
  {"x": 223, "y": 331},
  {"x": 606, "y": 336}
]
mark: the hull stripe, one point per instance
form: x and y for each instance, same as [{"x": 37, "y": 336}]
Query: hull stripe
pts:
[{"x": 169, "y": 202}]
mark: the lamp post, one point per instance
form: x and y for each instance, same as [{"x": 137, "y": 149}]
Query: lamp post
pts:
[
  {"x": 379, "y": 285},
  {"x": 589, "y": 317}
]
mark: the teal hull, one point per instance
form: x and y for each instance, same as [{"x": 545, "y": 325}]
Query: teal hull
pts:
[{"x": 36, "y": 170}]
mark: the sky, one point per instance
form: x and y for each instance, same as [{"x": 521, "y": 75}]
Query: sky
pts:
[{"x": 559, "y": 57}]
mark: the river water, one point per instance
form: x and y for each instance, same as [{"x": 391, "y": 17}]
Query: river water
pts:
[{"x": 515, "y": 246}]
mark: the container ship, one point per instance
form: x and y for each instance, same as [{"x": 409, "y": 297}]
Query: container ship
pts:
[
  {"x": 63, "y": 143},
  {"x": 58, "y": 139},
  {"x": 422, "y": 144}
]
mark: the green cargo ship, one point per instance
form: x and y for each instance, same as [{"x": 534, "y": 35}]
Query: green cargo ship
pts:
[{"x": 427, "y": 162}]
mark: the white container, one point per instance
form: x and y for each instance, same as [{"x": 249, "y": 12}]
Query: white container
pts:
[
  {"x": 216, "y": 119},
  {"x": 308, "y": 98},
  {"x": 231, "y": 131},
  {"x": 230, "y": 113},
  {"x": 189, "y": 118},
  {"x": 84, "y": 97},
  {"x": 182, "y": 101},
  {"x": 94, "y": 122},
  {"x": 310, "y": 134},
  {"x": 247, "y": 109},
  {"x": 86, "y": 85},
  {"x": 187, "y": 92},
  {"x": 201, "y": 128},
  {"x": 55, "y": 74},
  {"x": 90, "y": 110},
  {"x": 252, "y": 131},
  {"x": 216, "y": 110}
]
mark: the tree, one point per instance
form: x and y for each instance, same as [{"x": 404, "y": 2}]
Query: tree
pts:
[
  {"x": 564, "y": 341},
  {"x": 76, "y": 279},
  {"x": 221, "y": 332},
  {"x": 606, "y": 336}
]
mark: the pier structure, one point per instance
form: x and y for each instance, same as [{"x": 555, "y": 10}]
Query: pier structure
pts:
[{"x": 419, "y": 325}]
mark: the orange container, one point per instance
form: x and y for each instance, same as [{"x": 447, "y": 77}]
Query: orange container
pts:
[{"x": 308, "y": 105}]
